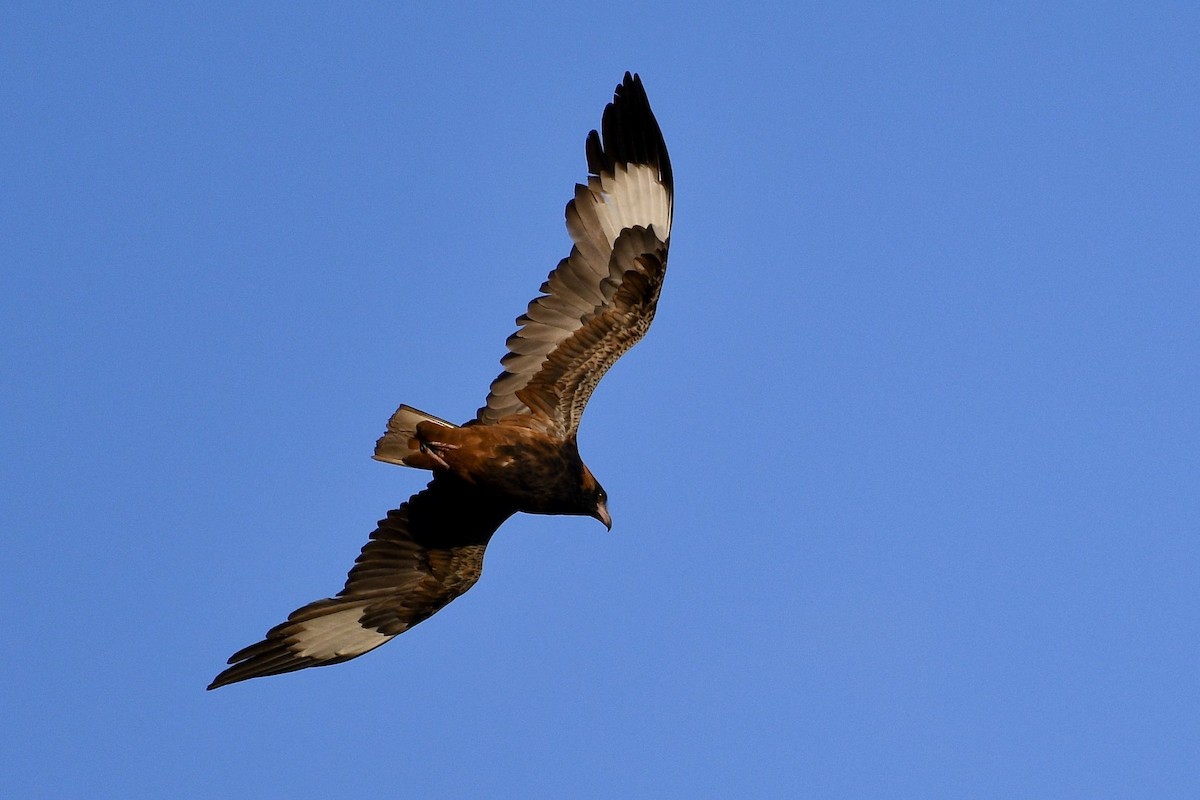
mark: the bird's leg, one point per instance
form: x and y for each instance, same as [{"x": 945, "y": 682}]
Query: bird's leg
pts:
[{"x": 434, "y": 451}]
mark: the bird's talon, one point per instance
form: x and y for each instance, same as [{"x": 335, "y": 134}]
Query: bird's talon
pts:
[{"x": 431, "y": 449}]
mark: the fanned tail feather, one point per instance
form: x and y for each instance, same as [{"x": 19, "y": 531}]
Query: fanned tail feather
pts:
[{"x": 399, "y": 442}]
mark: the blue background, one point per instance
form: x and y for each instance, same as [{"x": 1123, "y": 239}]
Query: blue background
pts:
[{"x": 904, "y": 477}]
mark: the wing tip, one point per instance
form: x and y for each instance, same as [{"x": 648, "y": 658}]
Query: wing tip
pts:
[
  {"x": 272, "y": 657},
  {"x": 245, "y": 670},
  {"x": 629, "y": 133}
]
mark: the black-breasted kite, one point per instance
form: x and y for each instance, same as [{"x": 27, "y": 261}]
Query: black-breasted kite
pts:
[{"x": 519, "y": 453}]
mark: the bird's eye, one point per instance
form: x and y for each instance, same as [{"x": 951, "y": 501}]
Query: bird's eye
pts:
[{"x": 602, "y": 496}]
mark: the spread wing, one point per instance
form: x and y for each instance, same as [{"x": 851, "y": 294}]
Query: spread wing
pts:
[
  {"x": 599, "y": 301},
  {"x": 422, "y": 556}
]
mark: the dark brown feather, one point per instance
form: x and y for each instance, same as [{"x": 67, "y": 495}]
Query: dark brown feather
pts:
[{"x": 423, "y": 555}]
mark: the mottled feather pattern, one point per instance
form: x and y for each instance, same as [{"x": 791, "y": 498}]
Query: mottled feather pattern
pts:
[{"x": 562, "y": 387}]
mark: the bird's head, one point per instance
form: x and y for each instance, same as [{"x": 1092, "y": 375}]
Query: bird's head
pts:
[
  {"x": 600, "y": 511},
  {"x": 595, "y": 499}
]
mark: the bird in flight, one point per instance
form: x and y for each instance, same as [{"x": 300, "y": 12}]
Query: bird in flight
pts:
[{"x": 520, "y": 451}]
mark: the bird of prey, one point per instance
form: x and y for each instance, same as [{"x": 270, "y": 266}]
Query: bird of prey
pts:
[{"x": 519, "y": 453}]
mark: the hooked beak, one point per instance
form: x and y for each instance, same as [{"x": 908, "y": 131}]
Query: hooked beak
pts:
[{"x": 601, "y": 513}]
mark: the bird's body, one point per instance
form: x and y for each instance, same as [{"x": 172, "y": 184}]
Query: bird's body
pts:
[
  {"x": 512, "y": 461},
  {"x": 520, "y": 452}
]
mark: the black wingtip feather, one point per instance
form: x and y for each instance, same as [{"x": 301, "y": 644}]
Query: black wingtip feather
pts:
[
  {"x": 277, "y": 664},
  {"x": 629, "y": 134}
]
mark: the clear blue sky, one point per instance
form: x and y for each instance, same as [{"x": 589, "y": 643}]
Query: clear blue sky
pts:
[{"x": 904, "y": 477}]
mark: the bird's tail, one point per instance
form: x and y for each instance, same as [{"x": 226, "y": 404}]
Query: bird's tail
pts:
[{"x": 400, "y": 441}]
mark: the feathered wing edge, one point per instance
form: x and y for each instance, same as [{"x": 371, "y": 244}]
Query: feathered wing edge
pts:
[
  {"x": 630, "y": 186},
  {"x": 420, "y": 557},
  {"x": 562, "y": 387}
]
